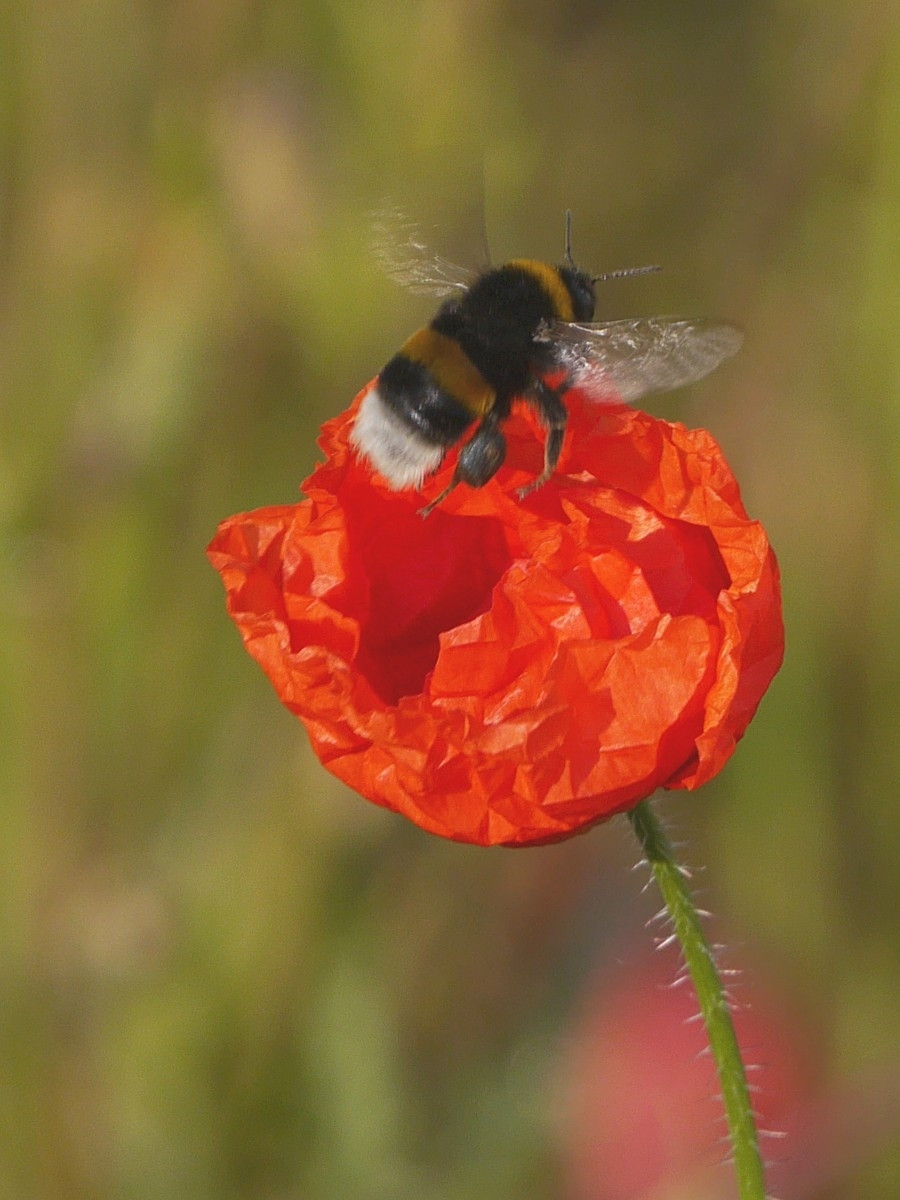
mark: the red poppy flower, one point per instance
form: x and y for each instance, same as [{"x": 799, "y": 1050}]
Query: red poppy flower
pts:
[{"x": 510, "y": 671}]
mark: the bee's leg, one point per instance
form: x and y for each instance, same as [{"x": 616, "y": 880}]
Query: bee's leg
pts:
[
  {"x": 479, "y": 460},
  {"x": 554, "y": 415},
  {"x": 432, "y": 504}
]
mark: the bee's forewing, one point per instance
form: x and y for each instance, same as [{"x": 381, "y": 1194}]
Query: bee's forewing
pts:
[
  {"x": 643, "y": 355},
  {"x": 405, "y": 257}
]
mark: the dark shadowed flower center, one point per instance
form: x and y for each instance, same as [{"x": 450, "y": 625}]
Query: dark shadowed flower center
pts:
[{"x": 420, "y": 579}]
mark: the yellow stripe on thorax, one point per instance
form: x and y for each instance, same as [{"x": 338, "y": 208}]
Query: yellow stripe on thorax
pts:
[
  {"x": 451, "y": 368},
  {"x": 551, "y": 281}
]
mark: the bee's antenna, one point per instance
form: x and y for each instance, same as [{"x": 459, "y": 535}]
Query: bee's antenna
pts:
[
  {"x": 482, "y": 207},
  {"x": 624, "y": 273},
  {"x": 569, "y": 258}
]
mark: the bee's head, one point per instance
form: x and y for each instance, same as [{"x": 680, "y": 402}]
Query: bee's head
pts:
[
  {"x": 581, "y": 286},
  {"x": 581, "y": 289}
]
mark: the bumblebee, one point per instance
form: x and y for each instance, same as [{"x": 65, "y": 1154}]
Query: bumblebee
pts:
[{"x": 502, "y": 337}]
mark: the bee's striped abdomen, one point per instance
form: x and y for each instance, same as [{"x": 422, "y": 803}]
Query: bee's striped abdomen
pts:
[{"x": 447, "y": 363}]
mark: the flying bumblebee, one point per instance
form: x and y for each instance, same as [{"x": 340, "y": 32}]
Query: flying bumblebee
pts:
[{"x": 498, "y": 338}]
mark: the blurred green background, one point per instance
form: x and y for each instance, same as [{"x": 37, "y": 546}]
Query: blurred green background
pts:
[{"x": 221, "y": 974}]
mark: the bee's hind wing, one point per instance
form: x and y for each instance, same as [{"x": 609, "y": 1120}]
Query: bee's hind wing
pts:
[
  {"x": 625, "y": 360},
  {"x": 405, "y": 257}
]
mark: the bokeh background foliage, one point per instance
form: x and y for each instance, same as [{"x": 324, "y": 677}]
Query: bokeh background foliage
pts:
[{"x": 222, "y": 975}]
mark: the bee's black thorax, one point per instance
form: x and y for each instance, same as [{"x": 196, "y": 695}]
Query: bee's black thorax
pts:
[{"x": 493, "y": 323}]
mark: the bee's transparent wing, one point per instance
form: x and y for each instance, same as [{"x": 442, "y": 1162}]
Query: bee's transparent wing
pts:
[
  {"x": 643, "y": 355},
  {"x": 405, "y": 257}
]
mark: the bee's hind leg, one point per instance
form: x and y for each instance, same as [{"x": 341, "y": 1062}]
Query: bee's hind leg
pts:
[
  {"x": 432, "y": 504},
  {"x": 479, "y": 460},
  {"x": 554, "y": 416}
]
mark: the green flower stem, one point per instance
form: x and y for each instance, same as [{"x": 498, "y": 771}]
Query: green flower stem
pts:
[{"x": 713, "y": 1005}]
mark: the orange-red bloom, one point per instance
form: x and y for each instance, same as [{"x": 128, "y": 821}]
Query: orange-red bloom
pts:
[{"x": 510, "y": 671}]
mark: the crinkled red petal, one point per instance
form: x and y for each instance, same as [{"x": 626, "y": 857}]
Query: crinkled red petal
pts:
[{"x": 510, "y": 671}]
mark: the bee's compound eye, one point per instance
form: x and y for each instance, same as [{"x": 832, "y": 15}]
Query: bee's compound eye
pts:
[
  {"x": 482, "y": 457},
  {"x": 581, "y": 292}
]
